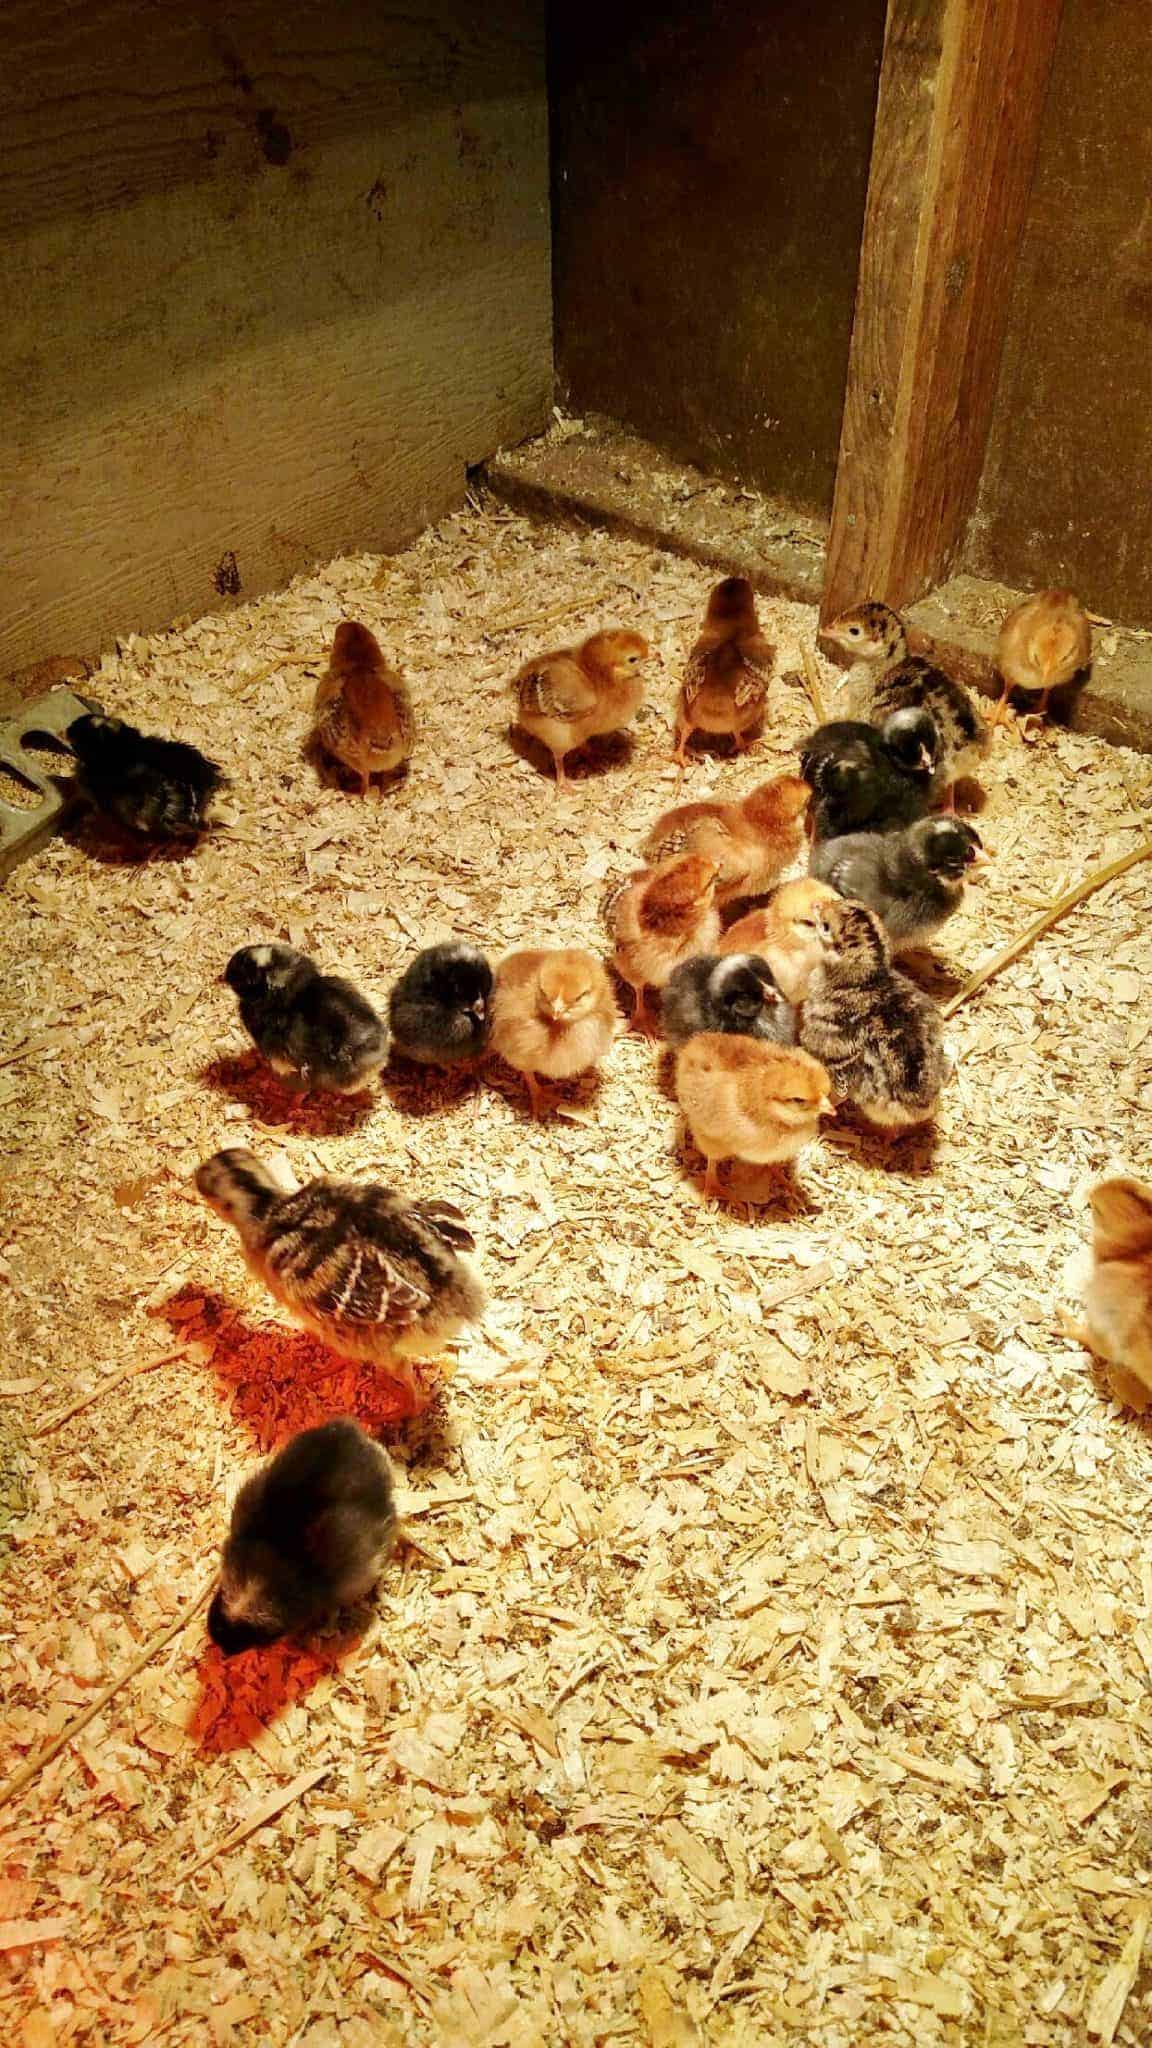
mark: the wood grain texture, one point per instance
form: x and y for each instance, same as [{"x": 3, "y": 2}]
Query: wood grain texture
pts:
[
  {"x": 274, "y": 277},
  {"x": 961, "y": 105}
]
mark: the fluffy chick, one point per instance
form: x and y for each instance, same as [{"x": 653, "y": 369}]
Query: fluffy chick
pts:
[
  {"x": 868, "y": 779},
  {"x": 660, "y": 918},
  {"x": 1043, "y": 642},
  {"x": 553, "y": 1015},
  {"x": 786, "y": 933},
  {"x": 879, "y": 1036},
  {"x": 315, "y": 1027},
  {"x": 743, "y": 1099},
  {"x": 160, "y": 789},
  {"x": 913, "y": 879},
  {"x": 735, "y": 993},
  {"x": 752, "y": 841},
  {"x": 440, "y": 1010},
  {"x": 310, "y": 1534},
  {"x": 725, "y": 683},
  {"x": 569, "y": 696},
  {"x": 884, "y": 678},
  {"x": 368, "y": 1272},
  {"x": 1118, "y": 1296},
  {"x": 363, "y": 713}
]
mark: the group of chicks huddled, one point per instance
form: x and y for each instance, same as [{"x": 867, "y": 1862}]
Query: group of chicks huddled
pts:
[{"x": 793, "y": 1010}]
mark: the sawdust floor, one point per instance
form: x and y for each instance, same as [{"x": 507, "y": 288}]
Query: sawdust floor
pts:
[{"x": 775, "y": 1661}]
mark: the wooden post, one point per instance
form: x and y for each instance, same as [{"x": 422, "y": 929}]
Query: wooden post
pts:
[{"x": 963, "y": 86}]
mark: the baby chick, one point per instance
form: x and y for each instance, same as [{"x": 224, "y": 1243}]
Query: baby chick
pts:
[
  {"x": 726, "y": 681},
  {"x": 867, "y": 780},
  {"x": 879, "y": 1036},
  {"x": 734, "y": 994},
  {"x": 786, "y": 933},
  {"x": 371, "y": 1274},
  {"x": 571, "y": 695},
  {"x": 553, "y": 1014},
  {"x": 440, "y": 1009},
  {"x": 660, "y": 918},
  {"x": 160, "y": 789},
  {"x": 315, "y": 1027},
  {"x": 363, "y": 713},
  {"x": 743, "y": 1099},
  {"x": 1044, "y": 642},
  {"x": 310, "y": 1534},
  {"x": 753, "y": 841},
  {"x": 913, "y": 879},
  {"x": 1118, "y": 1297},
  {"x": 884, "y": 678}
]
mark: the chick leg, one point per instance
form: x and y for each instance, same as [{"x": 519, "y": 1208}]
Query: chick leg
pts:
[
  {"x": 680, "y": 754},
  {"x": 537, "y": 1099},
  {"x": 712, "y": 1178},
  {"x": 561, "y": 778},
  {"x": 403, "y": 1375},
  {"x": 1001, "y": 707},
  {"x": 642, "y": 1018}
]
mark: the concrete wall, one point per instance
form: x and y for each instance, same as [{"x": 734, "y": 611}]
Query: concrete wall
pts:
[
  {"x": 1067, "y": 488},
  {"x": 274, "y": 273},
  {"x": 710, "y": 165}
]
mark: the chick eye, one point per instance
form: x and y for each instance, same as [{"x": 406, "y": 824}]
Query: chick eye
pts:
[{"x": 853, "y": 632}]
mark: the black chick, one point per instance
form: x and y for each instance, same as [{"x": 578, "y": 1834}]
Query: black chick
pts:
[
  {"x": 913, "y": 879},
  {"x": 315, "y": 1027},
  {"x": 158, "y": 788},
  {"x": 880, "y": 1038},
  {"x": 310, "y": 1534},
  {"x": 440, "y": 1009},
  {"x": 865, "y": 779},
  {"x": 734, "y": 993}
]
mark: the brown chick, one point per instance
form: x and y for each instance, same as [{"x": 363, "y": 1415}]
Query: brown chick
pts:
[
  {"x": 1118, "y": 1296},
  {"x": 567, "y": 697},
  {"x": 726, "y": 681},
  {"x": 363, "y": 714},
  {"x": 786, "y": 933},
  {"x": 753, "y": 841},
  {"x": 1044, "y": 642},
  {"x": 660, "y": 918},
  {"x": 553, "y": 1014},
  {"x": 744, "y": 1099}
]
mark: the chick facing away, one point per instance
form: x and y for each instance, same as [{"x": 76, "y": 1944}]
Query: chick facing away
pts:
[
  {"x": 786, "y": 933},
  {"x": 752, "y": 841},
  {"x": 885, "y": 678},
  {"x": 725, "y": 684},
  {"x": 440, "y": 1009},
  {"x": 316, "y": 1028},
  {"x": 660, "y": 918},
  {"x": 370, "y": 1273},
  {"x": 913, "y": 879},
  {"x": 1118, "y": 1296},
  {"x": 156, "y": 788},
  {"x": 363, "y": 714},
  {"x": 572, "y": 695},
  {"x": 310, "y": 1534},
  {"x": 733, "y": 994},
  {"x": 1044, "y": 642},
  {"x": 554, "y": 1015},
  {"x": 868, "y": 778},
  {"x": 743, "y": 1099},
  {"x": 880, "y": 1038}
]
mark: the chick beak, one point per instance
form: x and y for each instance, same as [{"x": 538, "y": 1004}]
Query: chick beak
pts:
[
  {"x": 978, "y": 858},
  {"x": 926, "y": 761},
  {"x": 557, "y": 1010},
  {"x": 478, "y": 1009},
  {"x": 826, "y": 1106}
]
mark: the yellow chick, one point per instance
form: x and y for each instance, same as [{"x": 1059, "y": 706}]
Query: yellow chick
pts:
[
  {"x": 1044, "y": 642},
  {"x": 1118, "y": 1297},
  {"x": 753, "y": 840},
  {"x": 725, "y": 684},
  {"x": 363, "y": 713},
  {"x": 786, "y": 933},
  {"x": 571, "y": 695},
  {"x": 745, "y": 1099},
  {"x": 660, "y": 918},
  {"x": 553, "y": 1014}
]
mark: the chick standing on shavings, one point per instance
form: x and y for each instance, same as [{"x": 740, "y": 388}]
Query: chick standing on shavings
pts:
[
  {"x": 743, "y": 1099},
  {"x": 913, "y": 879},
  {"x": 440, "y": 1010},
  {"x": 575, "y": 694},
  {"x": 156, "y": 788},
  {"x": 1044, "y": 643},
  {"x": 785, "y": 933},
  {"x": 725, "y": 684},
  {"x": 370, "y": 1273},
  {"x": 879, "y": 1036},
  {"x": 865, "y": 779},
  {"x": 884, "y": 678},
  {"x": 1118, "y": 1294},
  {"x": 736, "y": 994},
  {"x": 363, "y": 714},
  {"x": 310, "y": 1534},
  {"x": 660, "y": 918},
  {"x": 753, "y": 840},
  {"x": 315, "y": 1028},
  {"x": 553, "y": 1016}
]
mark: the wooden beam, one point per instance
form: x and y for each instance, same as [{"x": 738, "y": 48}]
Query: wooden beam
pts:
[{"x": 963, "y": 87}]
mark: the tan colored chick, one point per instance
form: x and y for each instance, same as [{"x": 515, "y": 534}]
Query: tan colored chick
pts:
[
  {"x": 662, "y": 917},
  {"x": 553, "y": 1014},
  {"x": 726, "y": 681},
  {"x": 786, "y": 933},
  {"x": 363, "y": 713},
  {"x": 571, "y": 695},
  {"x": 1044, "y": 642},
  {"x": 744, "y": 1099},
  {"x": 1118, "y": 1296},
  {"x": 753, "y": 841}
]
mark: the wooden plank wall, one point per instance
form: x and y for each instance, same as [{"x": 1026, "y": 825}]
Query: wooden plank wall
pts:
[{"x": 273, "y": 275}]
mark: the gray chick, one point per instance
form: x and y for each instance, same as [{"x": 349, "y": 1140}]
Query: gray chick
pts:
[
  {"x": 440, "y": 1010},
  {"x": 734, "y": 993},
  {"x": 880, "y": 1038},
  {"x": 913, "y": 879},
  {"x": 316, "y": 1028},
  {"x": 310, "y": 1534}
]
